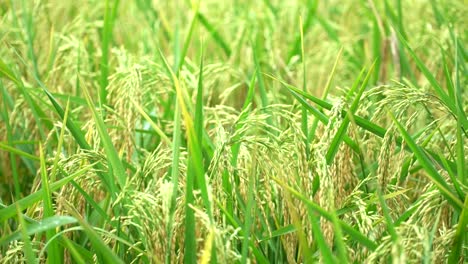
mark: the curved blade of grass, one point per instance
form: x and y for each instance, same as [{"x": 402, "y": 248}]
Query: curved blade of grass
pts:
[
  {"x": 45, "y": 224},
  {"x": 9, "y": 135},
  {"x": 27, "y": 201},
  {"x": 227, "y": 184},
  {"x": 18, "y": 152},
  {"x": 194, "y": 144},
  {"x": 338, "y": 138},
  {"x": 91, "y": 201},
  {"x": 260, "y": 257},
  {"x": 461, "y": 169},
  {"x": 324, "y": 119},
  {"x": 76, "y": 132},
  {"x": 304, "y": 124},
  {"x": 339, "y": 241},
  {"x": 432, "y": 173},
  {"x": 325, "y": 93},
  {"x": 261, "y": 82},
  {"x": 199, "y": 127},
  {"x": 6, "y": 72},
  {"x": 390, "y": 225},
  {"x": 152, "y": 124},
  {"x": 354, "y": 234},
  {"x": 455, "y": 181},
  {"x": 363, "y": 123},
  {"x": 39, "y": 116},
  {"x": 280, "y": 232},
  {"x": 109, "y": 148},
  {"x": 59, "y": 145},
  {"x": 28, "y": 23},
  {"x": 99, "y": 246}
]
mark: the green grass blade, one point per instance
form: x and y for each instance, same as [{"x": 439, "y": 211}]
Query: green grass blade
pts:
[
  {"x": 7, "y": 73},
  {"x": 248, "y": 215},
  {"x": 260, "y": 257},
  {"x": 109, "y": 148},
  {"x": 339, "y": 241},
  {"x": 195, "y": 169},
  {"x": 9, "y": 135},
  {"x": 354, "y": 234},
  {"x": 188, "y": 38},
  {"x": 461, "y": 119},
  {"x": 363, "y": 123},
  {"x": 76, "y": 132},
  {"x": 44, "y": 225},
  {"x": 325, "y": 92},
  {"x": 428, "y": 249},
  {"x": 18, "y": 152},
  {"x": 432, "y": 173},
  {"x": 174, "y": 177},
  {"x": 312, "y": 6},
  {"x": 261, "y": 82},
  {"x": 215, "y": 34},
  {"x": 53, "y": 250},
  {"x": 390, "y": 225},
  {"x": 325, "y": 250},
  {"x": 432, "y": 80},
  {"x": 74, "y": 252},
  {"x": 156, "y": 128},
  {"x": 304, "y": 117},
  {"x": 338, "y": 138},
  {"x": 35, "y": 197},
  {"x": 28, "y": 23},
  {"x": 98, "y": 245},
  {"x": 27, "y": 249},
  {"x": 280, "y": 232},
  {"x": 109, "y": 17},
  {"x": 199, "y": 125},
  {"x": 459, "y": 242}
]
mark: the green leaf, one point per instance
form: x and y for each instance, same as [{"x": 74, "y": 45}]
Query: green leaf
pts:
[
  {"x": 27, "y": 249},
  {"x": 109, "y": 18},
  {"x": 29, "y": 200},
  {"x": 111, "y": 153},
  {"x": 98, "y": 245},
  {"x": 432, "y": 173},
  {"x": 338, "y": 138},
  {"x": 53, "y": 250},
  {"x": 354, "y": 234},
  {"x": 45, "y": 224},
  {"x": 460, "y": 236},
  {"x": 6, "y": 72},
  {"x": 215, "y": 34}
]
